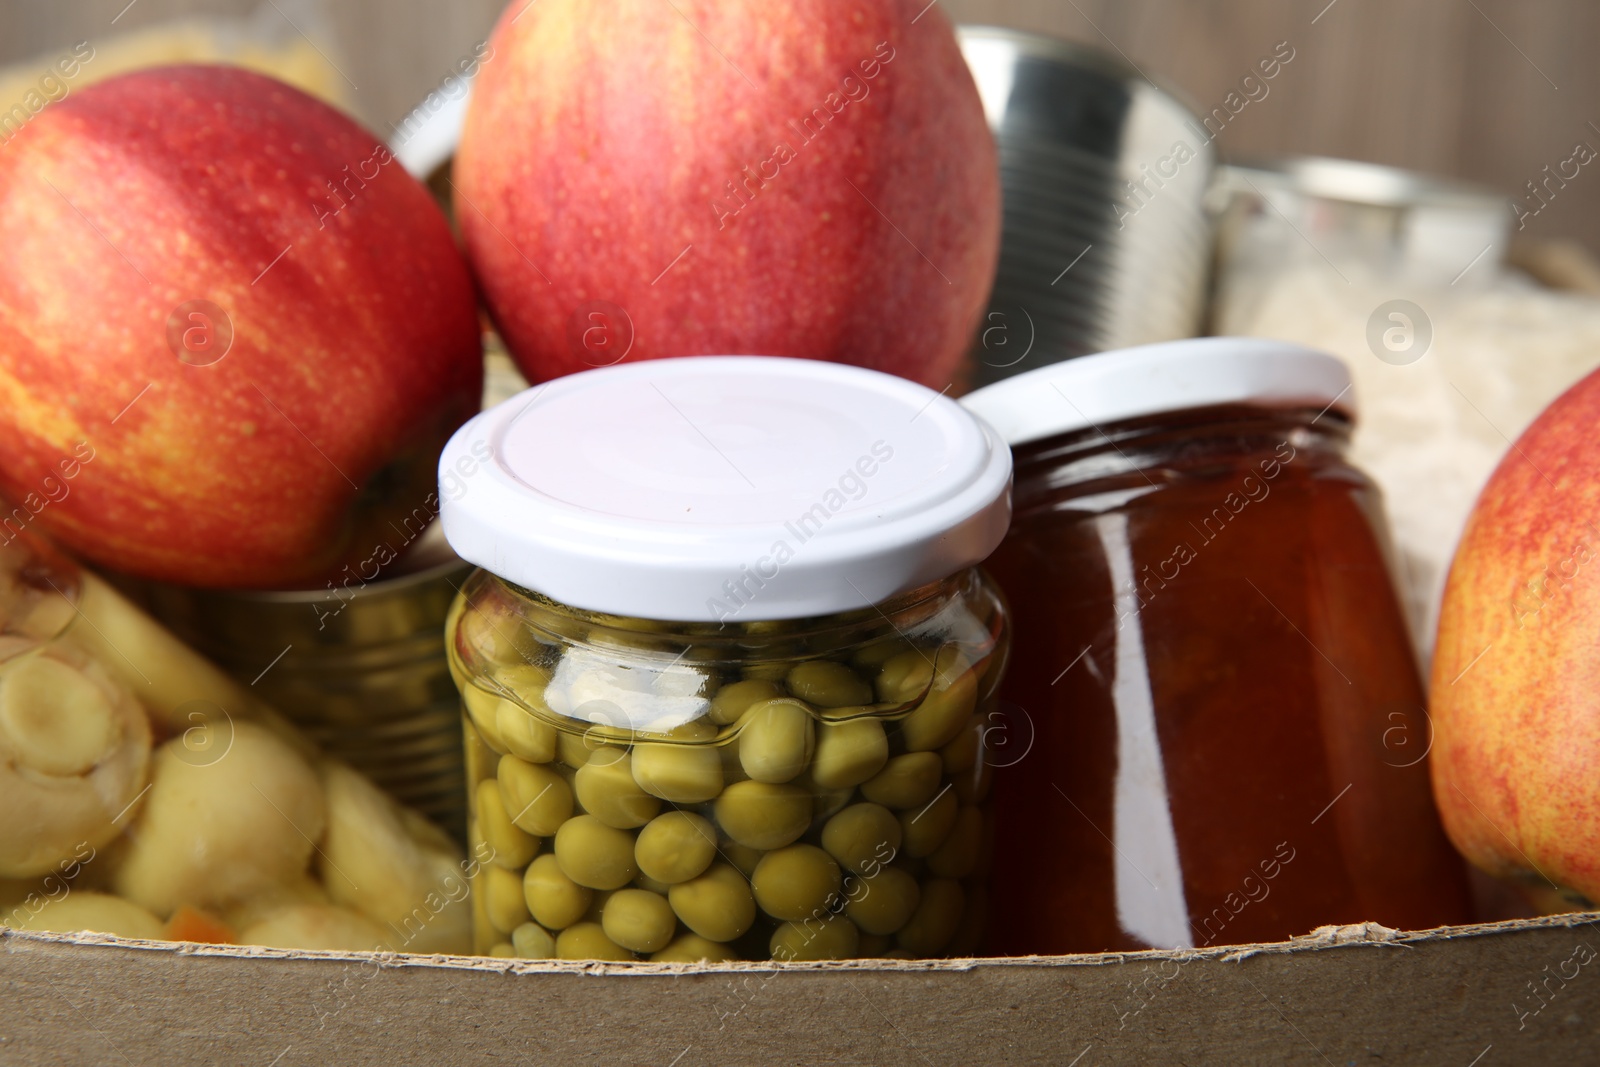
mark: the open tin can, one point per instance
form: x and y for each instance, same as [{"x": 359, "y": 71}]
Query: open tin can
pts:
[{"x": 1277, "y": 213}]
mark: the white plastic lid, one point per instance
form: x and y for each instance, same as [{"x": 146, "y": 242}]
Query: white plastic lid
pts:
[
  {"x": 1093, "y": 391},
  {"x": 725, "y": 488}
]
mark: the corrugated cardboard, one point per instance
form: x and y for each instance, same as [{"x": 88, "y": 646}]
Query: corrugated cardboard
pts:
[{"x": 1526, "y": 991}]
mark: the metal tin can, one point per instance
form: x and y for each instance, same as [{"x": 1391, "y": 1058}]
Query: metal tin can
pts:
[{"x": 1106, "y": 240}]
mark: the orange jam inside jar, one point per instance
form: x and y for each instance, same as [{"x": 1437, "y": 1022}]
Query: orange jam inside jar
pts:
[{"x": 1229, "y": 737}]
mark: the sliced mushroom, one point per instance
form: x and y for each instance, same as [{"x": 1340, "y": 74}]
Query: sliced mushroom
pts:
[
  {"x": 169, "y": 678},
  {"x": 39, "y": 589},
  {"x": 100, "y": 913},
  {"x": 318, "y": 926},
  {"x": 228, "y": 817},
  {"x": 393, "y": 866},
  {"x": 74, "y": 755},
  {"x": 304, "y": 889}
]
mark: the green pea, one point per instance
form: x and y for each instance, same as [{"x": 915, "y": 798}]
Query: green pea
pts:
[
  {"x": 692, "y": 948},
  {"x": 848, "y": 753},
  {"x": 533, "y": 942},
  {"x": 905, "y": 677},
  {"x": 490, "y": 630},
  {"x": 526, "y": 680},
  {"x": 588, "y": 941},
  {"x": 831, "y": 938},
  {"x": 717, "y": 905},
  {"x": 573, "y": 748},
  {"x": 734, "y": 700},
  {"x": 482, "y": 708},
  {"x": 524, "y": 734},
  {"x": 946, "y": 708},
  {"x": 702, "y": 729},
  {"x": 907, "y": 781},
  {"x": 776, "y": 740},
  {"x": 732, "y": 769},
  {"x": 925, "y": 829},
  {"x": 765, "y": 672},
  {"x": 957, "y": 857},
  {"x": 513, "y": 846},
  {"x": 679, "y": 773},
  {"x": 536, "y": 797},
  {"x": 594, "y": 854},
  {"x": 639, "y": 920},
  {"x": 972, "y": 785},
  {"x": 607, "y": 790},
  {"x": 675, "y": 846},
  {"x": 862, "y": 834},
  {"x": 796, "y": 882},
  {"x": 934, "y": 922},
  {"x": 502, "y": 895},
  {"x": 478, "y": 756},
  {"x": 762, "y": 815},
  {"x": 883, "y": 903},
  {"x": 555, "y": 900},
  {"x": 827, "y": 684},
  {"x": 871, "y": 658}
]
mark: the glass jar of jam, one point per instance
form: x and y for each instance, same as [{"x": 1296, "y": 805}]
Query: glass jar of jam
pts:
[
  {"x": 726, "y": 670},
  {"x": 1229, "y": 741}
]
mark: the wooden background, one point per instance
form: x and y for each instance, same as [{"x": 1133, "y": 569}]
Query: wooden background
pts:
[{"x": 1492, "y": 90}]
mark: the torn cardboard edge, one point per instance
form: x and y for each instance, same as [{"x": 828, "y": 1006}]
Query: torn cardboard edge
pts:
[{"x": 1366, "y": 934}]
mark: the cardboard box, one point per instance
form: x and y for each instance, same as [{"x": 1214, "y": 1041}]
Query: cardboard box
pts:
[{"x": 1526, "y": 991}]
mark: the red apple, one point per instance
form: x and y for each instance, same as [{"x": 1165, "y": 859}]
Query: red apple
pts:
[
  {"x": 1516, "y": 675},
  {"x": 639, "y": 179},
  {"x": 234, "y": 334}
]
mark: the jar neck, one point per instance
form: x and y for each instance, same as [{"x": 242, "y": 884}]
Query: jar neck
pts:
[
  {"x": 1166, "y": 448},
  {"x": 731, "y": 641}
]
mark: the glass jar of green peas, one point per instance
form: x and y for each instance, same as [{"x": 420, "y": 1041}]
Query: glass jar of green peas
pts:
[{"x": 729, "y": 666}]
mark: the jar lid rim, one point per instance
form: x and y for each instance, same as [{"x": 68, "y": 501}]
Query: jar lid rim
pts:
[
  {"x": 725, "y": 488},
  {"x": 1091, "y": 392}
]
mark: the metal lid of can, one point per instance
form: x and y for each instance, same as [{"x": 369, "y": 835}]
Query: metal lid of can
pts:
[
  {"x": 725, "y": 488},
  {"x": 1095, "y": 391}
]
